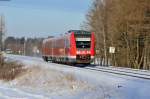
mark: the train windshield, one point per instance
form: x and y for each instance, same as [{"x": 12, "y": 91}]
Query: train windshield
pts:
[
  {"x": 83, "y": 39},
  {"x": 83, "y": 42}
]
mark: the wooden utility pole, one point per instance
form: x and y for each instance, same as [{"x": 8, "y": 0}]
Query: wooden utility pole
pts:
[{"x": 2, "y": 31}]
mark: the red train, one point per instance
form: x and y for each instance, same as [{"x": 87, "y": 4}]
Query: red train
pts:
[{"x": 75, "y": 47}]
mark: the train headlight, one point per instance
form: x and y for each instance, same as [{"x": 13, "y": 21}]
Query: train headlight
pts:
[
  {"x": 88, "y": 52},
  {"x": 78, "y": 52}
]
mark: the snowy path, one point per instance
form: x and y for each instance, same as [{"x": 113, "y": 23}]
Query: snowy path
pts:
[{"x": 104, "y": 85}]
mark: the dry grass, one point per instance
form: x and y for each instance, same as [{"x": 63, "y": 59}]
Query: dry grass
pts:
[{"x": 10, "y": 70}]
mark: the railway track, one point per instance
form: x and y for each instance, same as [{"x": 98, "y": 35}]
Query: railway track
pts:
[
  {"x": 142, "y": 74},
  {"x": 131, "y": 73}
]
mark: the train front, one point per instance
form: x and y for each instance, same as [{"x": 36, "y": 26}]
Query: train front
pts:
[{"x": 83, "y": 46}]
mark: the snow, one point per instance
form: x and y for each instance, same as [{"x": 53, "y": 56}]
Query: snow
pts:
[{"x": 55, "y": 81}]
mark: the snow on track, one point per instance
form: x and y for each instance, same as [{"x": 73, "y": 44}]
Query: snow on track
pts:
[{"x": 102, "y": 85}]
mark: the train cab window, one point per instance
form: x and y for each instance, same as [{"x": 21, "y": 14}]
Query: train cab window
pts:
[{"x": 83, "y": 44}]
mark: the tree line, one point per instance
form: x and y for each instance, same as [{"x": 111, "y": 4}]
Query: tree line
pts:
[
  {"x": 125, "y": 26},
  {"x": 24, "y": 46}
]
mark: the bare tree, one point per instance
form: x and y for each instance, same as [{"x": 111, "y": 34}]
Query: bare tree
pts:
[{"x": 124, "y": 24}]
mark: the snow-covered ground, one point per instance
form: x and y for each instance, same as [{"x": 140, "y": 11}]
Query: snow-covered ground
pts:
[{"x": 55, "y": 81}]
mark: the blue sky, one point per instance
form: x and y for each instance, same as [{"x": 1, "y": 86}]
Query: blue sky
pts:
[{"x": 41, "y": 18}]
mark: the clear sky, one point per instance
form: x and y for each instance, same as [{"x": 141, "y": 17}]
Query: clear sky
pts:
[{"x": 41, "y": 18}]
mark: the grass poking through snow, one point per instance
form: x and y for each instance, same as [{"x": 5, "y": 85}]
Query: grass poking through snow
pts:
[{"x": 10, "y": 70}]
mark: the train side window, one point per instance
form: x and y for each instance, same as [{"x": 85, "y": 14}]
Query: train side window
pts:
[
  {"x": 50, "y": 44},
  {"x": 67, "y": 43}
]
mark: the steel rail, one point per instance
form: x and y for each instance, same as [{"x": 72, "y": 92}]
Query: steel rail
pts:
[
  {"x": 138, "y": 72},
  {"x": 131, "y": 74}
]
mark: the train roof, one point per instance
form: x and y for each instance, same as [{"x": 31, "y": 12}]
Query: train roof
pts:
[
  {"x": 76, "y": 32},
  {"x": 53, "y": 38},
  {"x": 79, "y": 31}
]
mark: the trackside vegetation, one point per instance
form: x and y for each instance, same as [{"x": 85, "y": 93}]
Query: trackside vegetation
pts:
[
  {"x": 10, "y": 70},
  {"x": 123, "y": 25}
]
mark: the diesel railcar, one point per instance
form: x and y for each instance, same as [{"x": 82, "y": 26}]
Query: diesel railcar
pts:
[{"x": 75, "y": 46}]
